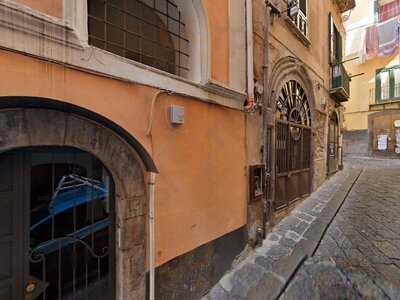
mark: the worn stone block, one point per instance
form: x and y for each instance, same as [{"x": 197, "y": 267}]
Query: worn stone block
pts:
[
  {"x": 136, "y": 206},
  {"x": 132, "y": 232},
  {"x": 46, "y": 127},
  {"x": 13, "y": 129}
]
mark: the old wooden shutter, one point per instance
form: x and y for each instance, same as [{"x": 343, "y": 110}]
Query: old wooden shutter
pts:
[
  {"x": 11, "y": 227},
  {"x": 335, "y": 42},
  {"x": 338, "y": 46},
  {"x": 331, "y": 39},
  {"x": 378, "y": 91},
  {"x": 376, "y": 11},
  {"x": 391, "y": 83}
]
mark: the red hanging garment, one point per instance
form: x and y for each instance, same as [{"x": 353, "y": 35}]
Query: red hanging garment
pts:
[{"x": 389, "y": 10}]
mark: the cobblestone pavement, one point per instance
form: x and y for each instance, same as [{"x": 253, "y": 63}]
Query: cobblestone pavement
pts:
[
  {"x": 343, "y": 242},
  {"x": 263, "y": 273},
  {"x": 359, "y": 256}
]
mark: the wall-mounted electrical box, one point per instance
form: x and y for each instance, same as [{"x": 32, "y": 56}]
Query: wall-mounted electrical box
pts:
[
  {"x": 177, "y": 115},
  {"x": 257, "y": 182}
]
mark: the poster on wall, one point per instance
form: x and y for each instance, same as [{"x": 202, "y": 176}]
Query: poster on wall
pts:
[
  {"x": 397, "y": 140},
  {"x": 382, "y": 142}
]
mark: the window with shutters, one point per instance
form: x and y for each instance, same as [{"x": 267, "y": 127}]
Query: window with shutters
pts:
[
  {"x": 340, "y": 82},
  {"x": 387, "y": 84},
  {"x": 336, "y": 43},
  {"x": 151, "y": 32}
]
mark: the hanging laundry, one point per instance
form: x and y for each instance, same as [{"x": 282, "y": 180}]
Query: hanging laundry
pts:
[
  {"x": 371, "y": 42},
  {"x": 389, "y": 10},
  {"x": 388, "y": 36}
]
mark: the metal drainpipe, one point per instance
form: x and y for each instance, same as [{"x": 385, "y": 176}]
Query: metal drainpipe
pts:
[
  {"x": 250, "y": 52},
  {"x": 152, "y": 183},
  {"x": 265, "y": 95}
]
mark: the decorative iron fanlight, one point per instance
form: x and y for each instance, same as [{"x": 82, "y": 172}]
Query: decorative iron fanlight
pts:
[{"x": 292, "y": 104}]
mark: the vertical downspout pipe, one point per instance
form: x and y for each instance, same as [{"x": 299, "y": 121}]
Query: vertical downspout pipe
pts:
[
  {"x": 266, "y": 103},
  {"x": 266, "y": 99},
  {"x": 152, "y": 243},
  {"x": 250, "y": 52}
]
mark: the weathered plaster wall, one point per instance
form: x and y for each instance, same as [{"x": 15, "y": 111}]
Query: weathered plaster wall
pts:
[
  {"x": 218, "y": 16},
  {"x": 363, "y": 90},
  {"x": 314, "y": 58},
  {"x": 202, "y": 182},
  {"x": 49, "y": 7}
]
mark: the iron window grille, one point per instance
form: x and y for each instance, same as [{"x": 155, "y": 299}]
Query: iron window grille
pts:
[{"x": 151, "y": 32}]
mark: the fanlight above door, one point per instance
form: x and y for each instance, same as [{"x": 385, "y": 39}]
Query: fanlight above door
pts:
[{"x": 292, "y": 104}]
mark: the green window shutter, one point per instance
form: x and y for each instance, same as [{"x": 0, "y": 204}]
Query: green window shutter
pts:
[
  {"x": 391, "y": 83},
  {"x": 331, "y": 39},
  {"x": 339, "y": 47},
  {"x": 376, "y": 11},
  {"x": 335, "y": 42},
  {"x": 378, "y": 92}
]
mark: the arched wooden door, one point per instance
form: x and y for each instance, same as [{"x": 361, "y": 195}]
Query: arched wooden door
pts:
[
  {"x": 56, "y": 226},
  {"x": 333, "y": 144},
  {"x": 293, "y": 145}
]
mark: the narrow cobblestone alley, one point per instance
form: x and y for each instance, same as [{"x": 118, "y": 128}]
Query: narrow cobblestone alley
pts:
[
  {"x": 361, "y": 248},
  {"x": 343, "y": 242}
]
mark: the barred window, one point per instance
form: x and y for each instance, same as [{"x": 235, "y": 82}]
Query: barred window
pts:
[{"x": 148, "y": 31}]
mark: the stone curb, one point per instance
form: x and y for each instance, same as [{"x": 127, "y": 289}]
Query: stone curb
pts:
[{"x": 266, "y": 272}]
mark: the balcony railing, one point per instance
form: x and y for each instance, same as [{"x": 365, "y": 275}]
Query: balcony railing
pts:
[
  {"x": 340, "y": 89},
  {"x": 300, "y": 21}
]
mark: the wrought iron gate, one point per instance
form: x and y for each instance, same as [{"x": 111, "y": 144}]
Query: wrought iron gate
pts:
[
  {"x": 333, "y": 144},
  {"x": 68, "y": 226},
  {"x": 293, "y": 145},
  {"x": 268, "y": 175}
]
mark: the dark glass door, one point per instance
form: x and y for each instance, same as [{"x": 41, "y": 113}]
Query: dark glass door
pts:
[
  {"x": 66, "y": 231},
  {"x": 333, "y": 145},
  {"x": 11, "y": 227}
]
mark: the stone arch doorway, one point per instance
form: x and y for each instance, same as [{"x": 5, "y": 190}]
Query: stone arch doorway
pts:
[
  {"x": 59, "y": 232},
  {"x": 33, "y": 127},
  {"x": 291, "y": 102},
  {"x": 333, "y": 143},
  {"x": 293, "y": 144}
]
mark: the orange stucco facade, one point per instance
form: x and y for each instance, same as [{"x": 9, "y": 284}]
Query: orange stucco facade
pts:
[
  {"x": 200, "y": 189},
  {"x": 218, "y": 15},
  {"x": 218, "y": 18},
  {"x": 52, "y": 8}
]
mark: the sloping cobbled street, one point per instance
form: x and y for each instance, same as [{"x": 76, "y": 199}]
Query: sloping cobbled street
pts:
[
  {"x": 359, "y": 256},
  {"x": 343, "y": 242}
]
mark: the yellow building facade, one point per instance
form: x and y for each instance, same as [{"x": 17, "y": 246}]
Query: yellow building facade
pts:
[{"x": 371, "y": 112}]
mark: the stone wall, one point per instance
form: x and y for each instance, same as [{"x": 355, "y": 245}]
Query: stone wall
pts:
[
  {"x": 356, "y": 143},
  {"x": 21, "y": 128},
  {"x": 191, "y": 276}
]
